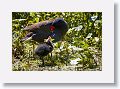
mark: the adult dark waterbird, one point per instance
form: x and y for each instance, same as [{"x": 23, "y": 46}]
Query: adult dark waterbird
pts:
[
  {"x": 55, "y": 28},
  {"x": 44, "y": 49}
]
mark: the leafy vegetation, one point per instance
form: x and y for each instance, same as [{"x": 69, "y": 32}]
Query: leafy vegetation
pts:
[{"x": 79, "y": 50}]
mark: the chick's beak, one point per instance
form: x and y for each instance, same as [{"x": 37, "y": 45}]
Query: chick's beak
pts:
[{"x": 48, "y": 39}]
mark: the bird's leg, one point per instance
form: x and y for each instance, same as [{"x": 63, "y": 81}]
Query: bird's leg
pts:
[
  {"x": 33, "y": 49},
  {"x": 39, "y": 63},
  {"x": 43, "y": 63},
  {"x": 51, "y": 56},
  {"x": 52, "y": 61}
]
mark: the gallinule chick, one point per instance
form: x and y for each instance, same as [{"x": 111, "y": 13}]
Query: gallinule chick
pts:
[{"x": 44, "y": 49}]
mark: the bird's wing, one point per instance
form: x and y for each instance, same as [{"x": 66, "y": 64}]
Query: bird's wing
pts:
[
  {"x": 37, "y": 26},
  {"x": 43, "y": 51},
  {"x": 27, "y": 37}
]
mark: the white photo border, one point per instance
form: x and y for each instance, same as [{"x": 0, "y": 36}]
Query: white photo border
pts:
[{"x": 104, "y": 76}]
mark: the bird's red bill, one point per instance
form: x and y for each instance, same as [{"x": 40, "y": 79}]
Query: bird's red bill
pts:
[{"x": 52, "y": 28}]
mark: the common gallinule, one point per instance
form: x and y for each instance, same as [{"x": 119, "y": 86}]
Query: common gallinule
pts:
[{"x": 55, "y": 28}]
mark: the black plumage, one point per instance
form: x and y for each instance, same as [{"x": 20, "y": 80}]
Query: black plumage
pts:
[
  {"x": 55, "y": 28},
  {"x": 44, "y": 49}
]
